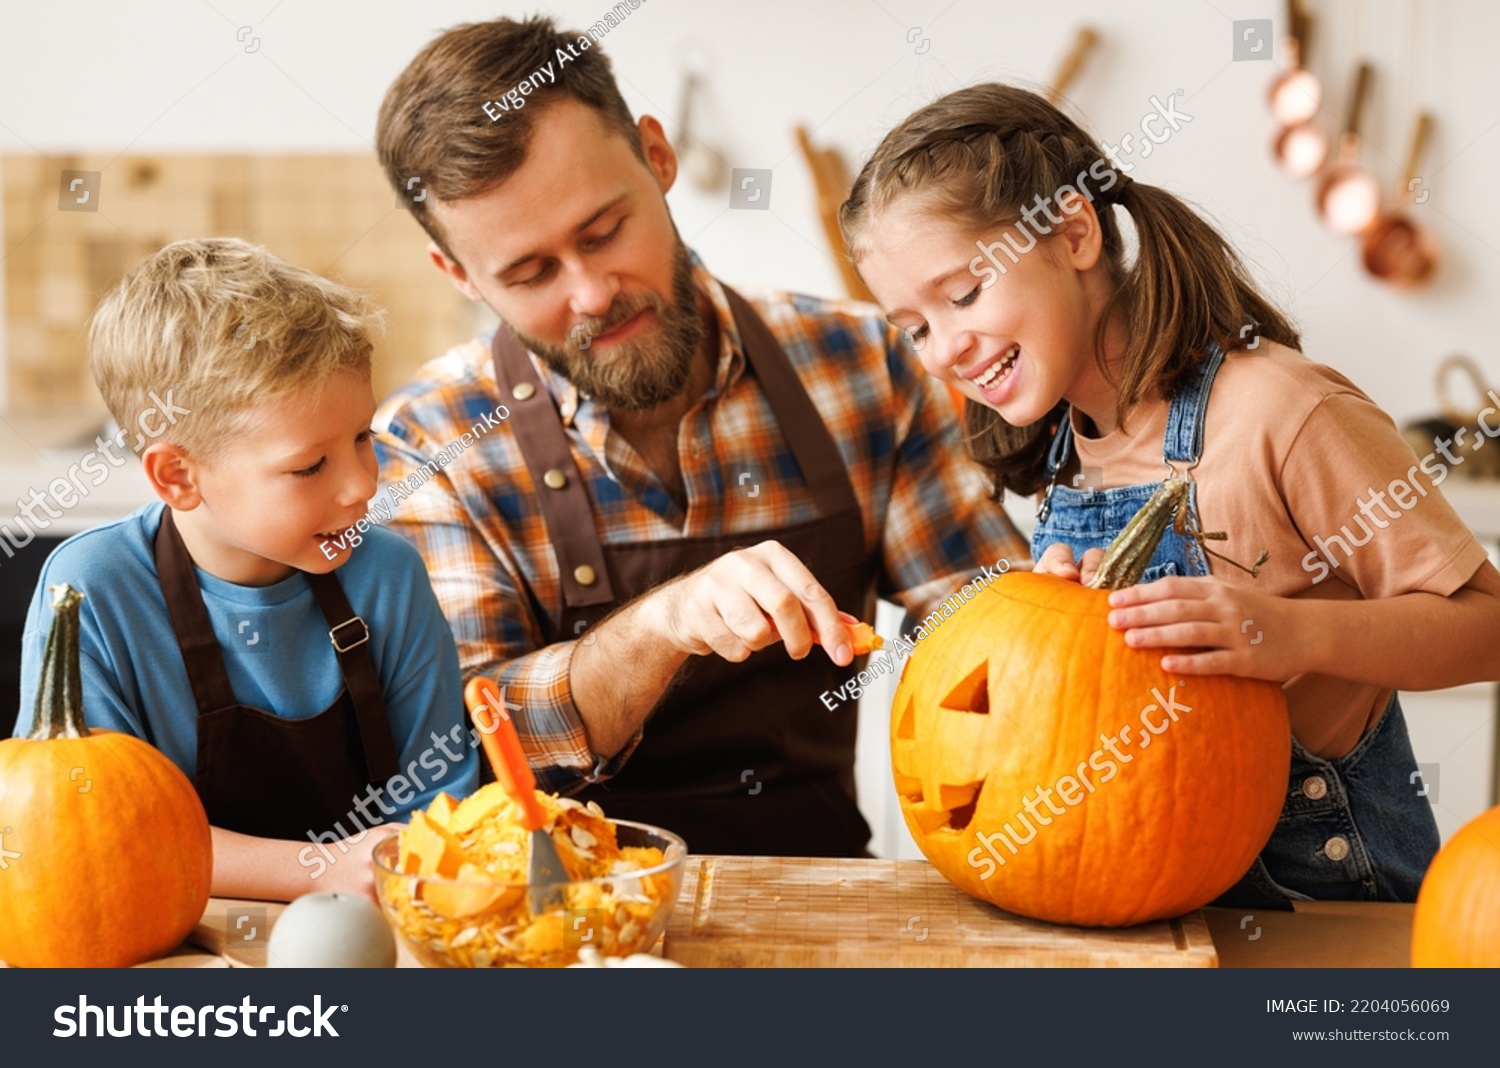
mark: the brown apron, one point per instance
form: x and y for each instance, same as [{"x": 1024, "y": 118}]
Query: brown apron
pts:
[
  {"x": 738, "y": 758},
  {"x": 261, "y": 774}
]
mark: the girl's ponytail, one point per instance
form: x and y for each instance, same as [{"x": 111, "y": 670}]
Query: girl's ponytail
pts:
[
  {"x": 1185, "y": 288},
  {"x": 983, "y": 154}
]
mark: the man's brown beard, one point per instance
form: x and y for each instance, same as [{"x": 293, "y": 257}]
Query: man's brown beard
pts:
[{"x": 639, "y": 374}]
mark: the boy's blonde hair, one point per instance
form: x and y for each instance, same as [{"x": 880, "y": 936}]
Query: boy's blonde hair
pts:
[{"x": 226, "y": 326}]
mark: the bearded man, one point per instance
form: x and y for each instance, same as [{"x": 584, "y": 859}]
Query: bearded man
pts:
[{"x": 665, "y": 493}]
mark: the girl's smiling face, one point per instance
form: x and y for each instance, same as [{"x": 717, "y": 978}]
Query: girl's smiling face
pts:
[{"x": 1017, "y": 341}]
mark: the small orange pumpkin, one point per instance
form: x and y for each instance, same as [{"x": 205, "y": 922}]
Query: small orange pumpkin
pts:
[
  {"x": 106, "y": 849},
  {"x": 1457, "y": 921},
  {"x": 1045, "y": 766}
]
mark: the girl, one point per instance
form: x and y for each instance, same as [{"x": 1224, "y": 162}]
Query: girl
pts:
[{"x": 987, "y": 225}]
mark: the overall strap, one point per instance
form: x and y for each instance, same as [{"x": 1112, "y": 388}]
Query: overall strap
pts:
[
  {"x": 350, "y": 637},
  {"x": 1183, "y": 441},
  {"x": 191, "y": 626}
]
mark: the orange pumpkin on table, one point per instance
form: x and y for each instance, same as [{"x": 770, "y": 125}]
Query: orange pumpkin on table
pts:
[
  {"x": 108, "y": 854},
  {"x": 1457, "y": 920},
  {"x": 1047, "y": 767}
]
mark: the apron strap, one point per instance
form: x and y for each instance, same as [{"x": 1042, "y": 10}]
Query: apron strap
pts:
[
  {"x": 351, "y": 637},
  {"x": 566, "y": 511},
  {"x": 803, "y": 427},
  {"x": 190, "y": 623},
  {"x": 204, "y": 659}
]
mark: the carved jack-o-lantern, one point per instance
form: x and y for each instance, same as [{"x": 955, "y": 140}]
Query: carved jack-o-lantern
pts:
[{"x": 1044, "y": 765}]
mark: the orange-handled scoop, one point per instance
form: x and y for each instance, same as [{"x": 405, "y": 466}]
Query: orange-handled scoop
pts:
[{"x": 512, "y": 771}]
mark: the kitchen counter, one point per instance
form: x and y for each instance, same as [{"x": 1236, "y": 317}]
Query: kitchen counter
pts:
[{"x": 1318, "y": 934}]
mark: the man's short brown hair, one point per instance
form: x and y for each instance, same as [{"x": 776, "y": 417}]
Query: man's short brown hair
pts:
[{"x": 433, "y": 124}]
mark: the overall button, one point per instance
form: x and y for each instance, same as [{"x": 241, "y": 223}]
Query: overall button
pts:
[
  {"x": 523, "y": 391},
  {"x": 585, "y": 575},
  {"x": 555, "y": 479},
  {"x": 1315, "y": 787},
  {"x": 1336, "y": 848}
]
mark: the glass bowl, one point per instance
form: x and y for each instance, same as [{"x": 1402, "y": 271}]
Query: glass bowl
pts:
[{"x": 486, "y": 923}]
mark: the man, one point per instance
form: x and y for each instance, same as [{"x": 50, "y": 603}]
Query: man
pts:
[{"x": 644, "y": 499}]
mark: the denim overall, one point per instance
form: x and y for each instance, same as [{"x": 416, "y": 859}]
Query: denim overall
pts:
[{"x": 1355, "y": 828}]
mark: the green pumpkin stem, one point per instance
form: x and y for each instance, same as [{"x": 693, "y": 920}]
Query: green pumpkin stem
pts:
[
  {"x": 1127, "y": 557},
  {"x": 59, "y": 695}
]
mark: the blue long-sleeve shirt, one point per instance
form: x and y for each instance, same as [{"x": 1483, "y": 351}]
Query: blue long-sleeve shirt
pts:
[{"x": 276, "y": 652}]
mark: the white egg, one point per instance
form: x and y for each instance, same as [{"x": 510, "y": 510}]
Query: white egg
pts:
[{"x": 331, "y": 931}]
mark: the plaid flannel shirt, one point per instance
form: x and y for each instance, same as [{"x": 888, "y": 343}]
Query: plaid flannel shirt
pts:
[{"x": 453, "y": 474}]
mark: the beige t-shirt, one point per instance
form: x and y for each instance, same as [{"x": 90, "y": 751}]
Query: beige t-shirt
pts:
[{"x": 1291, "y": 450}]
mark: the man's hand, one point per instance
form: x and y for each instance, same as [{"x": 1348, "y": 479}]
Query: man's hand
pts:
[
  {"x": 745, "y": 601},
  {"x": 1057, "y": 559},
  {"x": 1216, "y": 628}
]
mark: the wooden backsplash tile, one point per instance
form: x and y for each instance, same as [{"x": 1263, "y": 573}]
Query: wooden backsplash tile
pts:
[{"x": 333, "y": 214}]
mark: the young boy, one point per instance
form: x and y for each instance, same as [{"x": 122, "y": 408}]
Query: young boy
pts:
[{"x": 304, "y": 705}]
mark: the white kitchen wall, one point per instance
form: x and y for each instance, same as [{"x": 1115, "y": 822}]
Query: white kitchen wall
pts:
[
  {"x": 165, "y": 75},
  {"x": 182, "y": 75}
]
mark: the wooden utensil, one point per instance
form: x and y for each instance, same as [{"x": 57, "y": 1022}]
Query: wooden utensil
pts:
[
  {"x": 1348, "y": 198},
  {"x": 1073, "y": 63},
  {"x": 1396, "y": 249},
  {"x": 769, "y": 912},
  {"x": 502, "y": 746},
  {"x": 703, "y": 165},
  {"x": 831, "y": 179}
]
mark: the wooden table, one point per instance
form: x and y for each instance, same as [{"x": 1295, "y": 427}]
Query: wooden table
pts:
[{"x": 756, "y": 912}]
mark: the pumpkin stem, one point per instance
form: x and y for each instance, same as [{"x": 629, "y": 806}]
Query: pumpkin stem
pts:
[
  {"x": 59, "y": 695},
  {"x": 1127, "y": 557}
]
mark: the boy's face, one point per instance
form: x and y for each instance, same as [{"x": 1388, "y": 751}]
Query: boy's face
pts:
[
  {"x": 576, "y": 251},
  {"x": 297, "y": 473}
]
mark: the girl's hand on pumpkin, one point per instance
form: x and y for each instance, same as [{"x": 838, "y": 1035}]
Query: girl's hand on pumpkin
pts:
[
  {"x": 1217, "y": 628},
  {"x": 1057, "y": 559}
]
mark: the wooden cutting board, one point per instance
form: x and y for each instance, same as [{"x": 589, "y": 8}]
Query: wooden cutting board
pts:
[{"x": 798, "y": 912}]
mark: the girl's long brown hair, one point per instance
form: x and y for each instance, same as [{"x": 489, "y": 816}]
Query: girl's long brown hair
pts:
[{"x": 983, "y": 153}]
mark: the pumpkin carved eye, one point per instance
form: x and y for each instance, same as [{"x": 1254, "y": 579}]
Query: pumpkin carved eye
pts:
[{"x": 962, "y": 725}]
